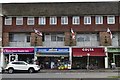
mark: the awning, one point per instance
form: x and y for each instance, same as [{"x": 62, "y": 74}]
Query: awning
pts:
[{"x": 85, "y": 51}]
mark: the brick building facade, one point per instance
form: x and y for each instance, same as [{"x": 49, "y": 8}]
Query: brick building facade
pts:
[{"x": 89, "y": 21}]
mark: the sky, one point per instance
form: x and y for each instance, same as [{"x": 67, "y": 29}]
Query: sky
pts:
[{"x": 28, "y": 1}]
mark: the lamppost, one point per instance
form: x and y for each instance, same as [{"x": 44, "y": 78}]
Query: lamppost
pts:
[{"x": 88, "y": 60}]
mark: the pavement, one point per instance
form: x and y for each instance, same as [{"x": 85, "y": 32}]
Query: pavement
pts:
[
  {"x": 76, "y": 70},
  {"x": 79, "y": 70}
]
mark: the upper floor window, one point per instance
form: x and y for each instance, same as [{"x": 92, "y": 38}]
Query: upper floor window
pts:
[
  {"x": 83, "y": 38},
  {"x": 53, "y": 20},
  {"x": 76, "y": 20},
  {"x": 42, "y": 20},
  {"x": 99, "y": 19},
  {"x": 57, "y": 37},
  {"x": 19, "y": 21},
  {"x": 64, "y": 20},
  {"x": 87, "y": 20},
  {"x": 111, "y": 19},
  {"x": 8, "y": 20},
  {"x": 30, "y": 21}
]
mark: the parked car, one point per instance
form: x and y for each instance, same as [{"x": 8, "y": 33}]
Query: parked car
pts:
[{"x": 21, "y": 66}]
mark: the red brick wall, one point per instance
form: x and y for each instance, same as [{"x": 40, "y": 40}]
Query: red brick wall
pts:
[
  {"x": 63, "y": 28},
  {"x": 60, "y": 28}
]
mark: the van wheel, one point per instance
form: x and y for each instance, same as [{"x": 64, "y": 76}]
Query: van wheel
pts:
[
  {"x": 31, "y": 70},
  {"x": 10, "y": 70}
]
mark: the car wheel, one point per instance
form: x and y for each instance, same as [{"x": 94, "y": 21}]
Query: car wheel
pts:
[
  {"x": 31, "y": 70},
  {"x": 10, "y": 70}
]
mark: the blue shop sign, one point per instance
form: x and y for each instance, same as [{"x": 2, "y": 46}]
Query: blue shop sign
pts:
[{"x": 52, "y": 50}]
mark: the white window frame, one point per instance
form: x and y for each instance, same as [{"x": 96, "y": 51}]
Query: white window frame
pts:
[
  {"x": 53, "y": 20},
  {"x": 75, "y": 20},
  {"x": 99, "y": 19},
  {"x": 64, "y": 20},
  {"x": 8, "y": 21},
  {"x": 57, "y": 37},
  {"x": 110, "y": 18},
  {"x": 86, "y": 19},
  {"x": 42, "y": 20},
  {"x": 30, "y": 21},
  {"x": 19, "y": 20}
]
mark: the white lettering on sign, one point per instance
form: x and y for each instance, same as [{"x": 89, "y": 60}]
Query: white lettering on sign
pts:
[
  {"x": 52, "y": 49},
  {"x": 16, "y": 51},
  {"x": 87, "y": 49}
]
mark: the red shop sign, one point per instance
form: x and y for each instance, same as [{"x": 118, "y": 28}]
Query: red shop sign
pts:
[{"x": 86, "y": 51}]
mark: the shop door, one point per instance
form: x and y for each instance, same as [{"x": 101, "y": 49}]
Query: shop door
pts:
[
  {"x": 13, "y": 57},
  {"x": 117, "y": 60}
]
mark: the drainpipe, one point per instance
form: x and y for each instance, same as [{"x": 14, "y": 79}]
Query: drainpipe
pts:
[
  {"x": 70, "y": 55},
  {"x": 106, "y": 58}
]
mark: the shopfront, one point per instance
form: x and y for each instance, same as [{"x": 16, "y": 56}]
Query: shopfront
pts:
[
  {"x": 92, "y": 57},
  {"x": 52, "y": 58},
  {"x": 20, "y": 54},
  {"x": 114, "y": 56}
]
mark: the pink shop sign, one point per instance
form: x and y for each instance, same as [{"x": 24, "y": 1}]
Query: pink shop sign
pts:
[{"x": 18, "y": 50}]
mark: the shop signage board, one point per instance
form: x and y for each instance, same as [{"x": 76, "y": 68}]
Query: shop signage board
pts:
[
  {"x": 113, "y": 49},
  {"x": 52, "y": 51},
  {"x": 18, "y": 50},
  {"x": 85, "y": 51}
]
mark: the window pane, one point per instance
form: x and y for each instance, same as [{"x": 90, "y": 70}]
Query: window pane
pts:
[
  {"x": 80, "y": 39},
  {"x": 76, "y": 20},
  {"x": 87, "y": 38},
  {"x": 64, "y": 20},
  {"x": 42, "y": 20},
  {"x": 30, "y": 21},
  {"x": 19, "y": 21},
  {"x": 53, "y": 38},
  {"x": 8, "y": 21},
  {"x": 99, "y": 20},
  {"x": 111, "y": 20},
  {"x": 87, "y": 20},
  {"x": 53, "y": 20},
  {"x": 28, "y": 38},
  {"x": 11, "y": 37},
  {"x": 60, "y": 38}
]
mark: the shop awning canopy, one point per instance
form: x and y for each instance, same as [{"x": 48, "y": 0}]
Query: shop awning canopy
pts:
[{"x": 85, "y": 51}]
